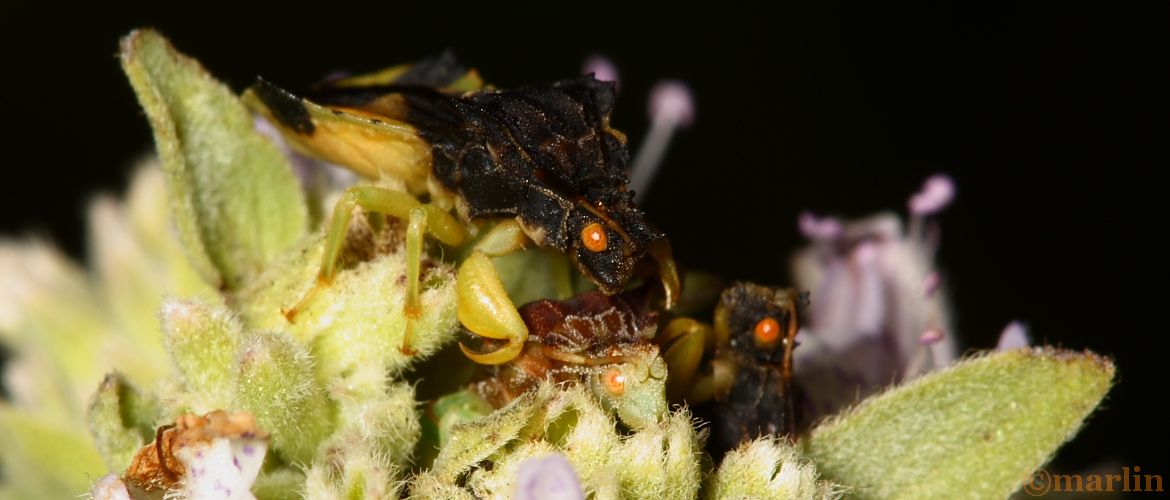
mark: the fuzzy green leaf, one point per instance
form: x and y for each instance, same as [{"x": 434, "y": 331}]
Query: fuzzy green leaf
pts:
[
  {"x": 442, "y": 415},
  {"x": 120, "y": 420},
  {"x": 661, "y": 461},
  {"x": 426, "y": 485},
  {"x": 279, "y": 484},
  {"x": 49, "y": 316},
  {"x": 469, "y": 443},
  {"x": 235, "y": 200},
  {"x": 353, "y": 472},
  {"x": 978, "y": 429},
  {"x": 203, "y": 340},
  {"x": 276, "y": 383},
  {"x": 358, "y": 321},
  {"x": 41, "y": 460},
  {"x": 768, "y": 467},
  {"x": 458, "y": 408},
  {"x": 385, "y": 423}
]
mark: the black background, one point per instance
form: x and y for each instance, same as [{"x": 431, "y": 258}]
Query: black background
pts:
[{"x": 1040, "y": 112}]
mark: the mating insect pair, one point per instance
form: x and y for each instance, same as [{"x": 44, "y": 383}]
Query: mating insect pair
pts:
[{"x": 541, "y": 162}]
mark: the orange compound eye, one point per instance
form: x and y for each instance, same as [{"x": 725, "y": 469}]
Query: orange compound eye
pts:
[
  {"x": 614, "y": 381},
  {"x": 593, "y": 236},
  {"x": 767, "y": 331}
]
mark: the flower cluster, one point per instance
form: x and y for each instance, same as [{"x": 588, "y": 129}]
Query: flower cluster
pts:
[{"x": 167, "y": 369}]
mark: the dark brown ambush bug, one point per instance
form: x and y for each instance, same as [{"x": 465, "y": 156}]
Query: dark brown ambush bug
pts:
[
  {"x": 748, "y": 373},
  {"x": 540, "y": 162},
  {"x": 603, "y": 341}
]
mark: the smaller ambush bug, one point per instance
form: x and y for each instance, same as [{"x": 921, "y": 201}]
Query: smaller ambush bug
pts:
[
  {"x": 749, "y": 371},
  {"x": 541, "y": 161},
  {"x": 602, "y": 341}
]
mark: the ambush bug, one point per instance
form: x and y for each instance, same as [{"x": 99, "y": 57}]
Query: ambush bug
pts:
[
  {"x": 602, "y": 341},
  {"x": 541, "y": 160}
]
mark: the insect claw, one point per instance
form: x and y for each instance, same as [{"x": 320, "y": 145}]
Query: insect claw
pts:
[
  {"x": 497, "y": 357},
  {"x": 484, "y": 308},
  {"x": 405, "y": 348},
  {"x": 412, "y": 312},
  {"x": 289, "y": 314},
  {"x": 667, "y": 271}
]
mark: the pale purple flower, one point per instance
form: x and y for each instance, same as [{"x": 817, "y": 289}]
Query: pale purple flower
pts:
[
  {"x": 222, "y": 468},
  {"x": 1014, "y": 336},
  {"x": 671, "y": 107},
  {"x": 548, "y": 477},
  {"x": 878, "y": 312},
  {"x": 601, "y": 68}
]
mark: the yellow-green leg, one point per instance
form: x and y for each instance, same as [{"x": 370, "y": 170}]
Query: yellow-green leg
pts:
[
  {"x": 483, "y": 306},
  {"x": 421, "y": 220},
  {"x": 683, "y": 341},
  {"x": 714, "y": 385},
  {"x": 416, "y": 227}
]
